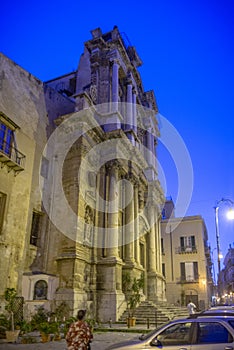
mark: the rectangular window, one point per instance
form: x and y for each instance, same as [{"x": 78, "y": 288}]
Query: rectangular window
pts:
[
  {"x": 187, "y": 243},
  {"x": 35, "y": 229},
  {"x": 163, "y": 270},
  {"x": 195, "y": 269},
  {"x": 162, "y": 246},
  {"x": 182, "y": 271},
  {"x": 6, "y": 138},
  {"x": 189, "y": 271},
  {"x": 213, "y": 333},
  {"x": 2, "y": 208}
]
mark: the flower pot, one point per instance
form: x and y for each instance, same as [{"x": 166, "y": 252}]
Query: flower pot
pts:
[
  {"x": 12, "y": 336},
  {"x": 131, "y": 321},
  {"x": 57, "y": 337},
  {"x": 45, "y": 337}
]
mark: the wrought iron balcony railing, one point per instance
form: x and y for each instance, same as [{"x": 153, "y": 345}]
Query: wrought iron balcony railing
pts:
[
  {"x": 188, "y": 279},
  {"x": 186, "y": 249},
  {"x": 11, "y": 157}
]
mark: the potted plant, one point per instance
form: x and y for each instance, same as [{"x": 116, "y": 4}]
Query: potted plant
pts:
[
  {"x": 55, "y": 330},
  {"x": 45, "y": 330},
  {"x": 4, "y": 326},
  {"x": 10, "y": 296},
  {"x": 132, "y": 290},
  {"x": 25, "y": 330}
]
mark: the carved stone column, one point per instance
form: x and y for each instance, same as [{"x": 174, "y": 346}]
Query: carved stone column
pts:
[
  {"x": 100, "y": 213},
  {"x": 134, "y": 111},
  {"x": 136, "y": 226},
  {"x": 158, "y": 252},
  {"x": 149, "y": 145},
  {"x": 129, "y": 106},
  {"x": 129, "y": 220},
  {"x": 115, "y": 86},
  {"x": 151, "y": 247},
  {"x": 112, "y": 229},
  {"x": 152, "y": 278},
  {"x": 109, "y": 268}
]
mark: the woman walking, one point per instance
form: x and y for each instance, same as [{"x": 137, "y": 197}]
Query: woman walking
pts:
[{"x": 79, "y": 334}]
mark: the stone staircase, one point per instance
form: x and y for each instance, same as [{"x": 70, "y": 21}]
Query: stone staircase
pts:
[{"x": 155, "y": 314}]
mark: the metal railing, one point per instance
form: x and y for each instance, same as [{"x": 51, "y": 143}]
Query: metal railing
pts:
[
  {"x": 188, "y": 279},
  {"x": 186, "y": 249},
  {"x": 11, "y": 153}
]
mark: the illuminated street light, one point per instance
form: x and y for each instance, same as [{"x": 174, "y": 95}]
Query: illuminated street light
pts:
[{"x": 230, "y": 216}]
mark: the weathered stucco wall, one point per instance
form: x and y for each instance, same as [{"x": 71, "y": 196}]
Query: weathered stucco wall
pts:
[{"x": 21, "y": 100}]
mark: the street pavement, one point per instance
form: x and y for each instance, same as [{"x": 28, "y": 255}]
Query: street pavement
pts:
[{"x": 101, "y": 341}]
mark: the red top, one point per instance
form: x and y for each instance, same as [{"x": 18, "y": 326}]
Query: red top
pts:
[{"x": 78, "y": 336}]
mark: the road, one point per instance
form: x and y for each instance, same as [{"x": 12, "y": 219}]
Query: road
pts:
[{"x": 100, "y": 342}]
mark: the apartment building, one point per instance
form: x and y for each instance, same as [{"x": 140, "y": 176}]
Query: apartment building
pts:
[
  {"x": 226, "y": 278},
  {"x": 186, "y": 258}
]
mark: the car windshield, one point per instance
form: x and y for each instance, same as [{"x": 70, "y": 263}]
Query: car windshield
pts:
[{"x": 149, "y": 335}]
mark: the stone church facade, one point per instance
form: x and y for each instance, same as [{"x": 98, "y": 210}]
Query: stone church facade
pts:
[{"x": 80, "y": 199}]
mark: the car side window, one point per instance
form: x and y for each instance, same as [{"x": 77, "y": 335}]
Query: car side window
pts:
[
  {"x": 177, "y": 334},
  {"x": 212, "y": 332},
  {"x": 231, "y": 322}
]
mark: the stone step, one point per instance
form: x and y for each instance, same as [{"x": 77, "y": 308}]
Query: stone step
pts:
[{"x": 156, "y": 313}]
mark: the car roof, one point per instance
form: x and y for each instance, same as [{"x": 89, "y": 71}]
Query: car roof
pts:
[
  {"x": 223, "y": 307},
  {"x": 214, "y": 314}
]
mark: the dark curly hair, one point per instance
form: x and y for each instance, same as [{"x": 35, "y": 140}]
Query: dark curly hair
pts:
[{"x": 81, "y": 314}]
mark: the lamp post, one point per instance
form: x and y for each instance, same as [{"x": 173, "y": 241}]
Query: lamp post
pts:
[
  {"x": 230, "y": 216},
  {"x": 212, "y": 256}
]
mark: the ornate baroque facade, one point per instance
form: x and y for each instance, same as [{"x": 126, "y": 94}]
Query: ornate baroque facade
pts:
[{"x": 82, "y": 205}]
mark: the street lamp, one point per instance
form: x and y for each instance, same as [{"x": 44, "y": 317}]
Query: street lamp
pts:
[
  {"x": 230, "y": 216},
  {"x": 213, "y": 264}
]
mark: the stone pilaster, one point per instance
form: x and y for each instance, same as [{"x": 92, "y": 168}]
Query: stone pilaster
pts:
[
  {"x": 152, "y": 274},
  {"x": 151, "y": 247},
  {"x": 110, "y": 298},
  {"x": 160, "y": 248}
]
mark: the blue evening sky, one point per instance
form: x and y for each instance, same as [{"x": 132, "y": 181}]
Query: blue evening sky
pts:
[{"x": 188, "y": 60}]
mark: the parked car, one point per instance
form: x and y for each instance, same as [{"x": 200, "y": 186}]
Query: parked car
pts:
[
  {"x": 218, "y": 312},
  {"x": 198, "y": 333},
  {"x": 222, "y": 307}
]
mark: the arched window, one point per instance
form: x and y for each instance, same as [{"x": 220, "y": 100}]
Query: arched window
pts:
[{"x": 40, "y": 290}]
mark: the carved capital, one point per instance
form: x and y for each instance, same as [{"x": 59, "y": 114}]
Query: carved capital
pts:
[
  {"x": 114, "y": 61},
  {"x": 112, "y": 166}
]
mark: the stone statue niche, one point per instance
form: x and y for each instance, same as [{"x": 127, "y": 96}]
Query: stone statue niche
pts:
[{"x": 88, "y": 228}]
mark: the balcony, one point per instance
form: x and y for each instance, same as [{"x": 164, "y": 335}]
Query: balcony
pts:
[
  {"x": 186, "y": 250},
  {"x": 11, "y": 157},
  {"x": 207, "y": 251},
  {"x": 187, "y": 279}
]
